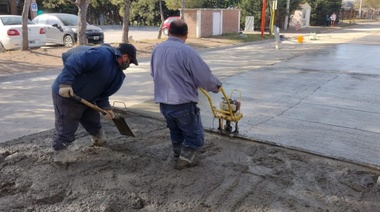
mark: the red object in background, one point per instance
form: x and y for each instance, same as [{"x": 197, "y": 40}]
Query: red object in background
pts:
[
  {"x": 166, "y": 25},
  {"x": 12, "y": 32},
  {"x": 263, "y": 18}
]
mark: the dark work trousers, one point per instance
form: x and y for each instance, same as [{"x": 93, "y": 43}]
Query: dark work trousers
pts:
[
  {"x": 68, "y": 114},
  {"x": 184, "y": 123}
]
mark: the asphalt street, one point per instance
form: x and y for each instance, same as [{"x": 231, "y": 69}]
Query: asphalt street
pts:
[
  {"x": 113, "y": 33},
  {"x": 319, "y": 97}
]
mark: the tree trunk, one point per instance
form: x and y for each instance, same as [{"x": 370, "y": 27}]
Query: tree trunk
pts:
[
  {"x": 13, "y": 7},
  {"x": 82, "y": 23},
  {"x": 125, "y": 38},
  {"x": 162, "y": 21},
  {"x": 25, "y": 14},
  {"x": 183, "y": 10}
]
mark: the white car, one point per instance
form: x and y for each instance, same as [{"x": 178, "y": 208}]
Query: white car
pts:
[
  {"x": 62, "y": 28},
  {"x": 11, "y": 33}
]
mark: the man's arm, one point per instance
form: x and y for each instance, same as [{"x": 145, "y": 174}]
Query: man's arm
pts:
[{"x": 202, "y": 74}]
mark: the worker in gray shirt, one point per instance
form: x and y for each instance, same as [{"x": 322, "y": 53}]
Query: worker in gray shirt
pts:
[{"x": 178, "y": 71}]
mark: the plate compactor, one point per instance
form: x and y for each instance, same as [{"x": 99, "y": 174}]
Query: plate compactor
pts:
[{"x": 229, "y": 111}]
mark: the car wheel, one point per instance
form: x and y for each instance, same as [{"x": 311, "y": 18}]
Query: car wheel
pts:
[
  {"x": 165, "y": 31},
  {"x": 68, "y": 40}
]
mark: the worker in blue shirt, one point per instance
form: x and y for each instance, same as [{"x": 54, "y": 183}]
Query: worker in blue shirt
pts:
[
  {"x": 178, "y": 71},
  {"x": 93, "y": 74}
]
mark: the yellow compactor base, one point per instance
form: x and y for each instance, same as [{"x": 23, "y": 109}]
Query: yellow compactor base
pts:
[{"x": 227, "y": 113}]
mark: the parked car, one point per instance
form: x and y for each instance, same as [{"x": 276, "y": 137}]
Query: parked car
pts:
[
  {"x": 62, "y": 28},
  {"x": 166, "y": 25},
  {"x": 11, "y": 33}
]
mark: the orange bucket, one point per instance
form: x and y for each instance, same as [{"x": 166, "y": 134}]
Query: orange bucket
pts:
[{"x": 300, "y": 39}]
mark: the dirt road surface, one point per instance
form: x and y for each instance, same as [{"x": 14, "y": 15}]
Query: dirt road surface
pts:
[{"x": 137, "y": 174}]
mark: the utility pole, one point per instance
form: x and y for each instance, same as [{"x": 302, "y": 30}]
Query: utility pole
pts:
[
  {"x": 263, "y": 18},
  {"x": 287, "y": 15},
  {"x": 360, "y": 9},
  {"x": 274, "y": 8}
]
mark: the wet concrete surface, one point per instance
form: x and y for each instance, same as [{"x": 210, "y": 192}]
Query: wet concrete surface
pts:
[
  {"x": 324, "y": 102},
  {"x": 319, "y": 97}
]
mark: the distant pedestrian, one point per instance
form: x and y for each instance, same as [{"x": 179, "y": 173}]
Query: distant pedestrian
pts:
[
  {"x": 328, "y": 20},
  {"x": 333, "y": 19}
]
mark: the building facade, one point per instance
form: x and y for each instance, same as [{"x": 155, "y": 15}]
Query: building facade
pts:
[{"x": 209, "y": 22}]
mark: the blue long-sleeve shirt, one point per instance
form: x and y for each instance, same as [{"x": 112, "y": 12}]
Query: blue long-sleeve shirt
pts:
[
  {"x": 178, "y": 70},
  {"x": 94, "y": 74}
]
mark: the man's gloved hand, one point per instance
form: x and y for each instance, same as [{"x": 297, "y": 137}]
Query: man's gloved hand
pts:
[
  {"x": 66, "y": 91},
  {"x": 219, "y": 87},
  {"x": 110, "y": 115}
]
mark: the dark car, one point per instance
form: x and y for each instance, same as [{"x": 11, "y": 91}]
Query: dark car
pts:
[
  {"x": 166, "y": 25},
  {"x": 62, "y": 28}
]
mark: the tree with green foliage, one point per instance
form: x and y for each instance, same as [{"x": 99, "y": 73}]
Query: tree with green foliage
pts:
[
  {"x": 372, "y": 4},
  {"x": 176, "y": 4},
  {"x": 148, "y": 12},
  {"x": 145, "y": 12},
  {"x": 219, "y": 3},
  {"x": 251, "y": 8},
  {"x": 321, "y": 8},
  {"x": 104, "y": 12},
  {"x": 281, "y": 11}
]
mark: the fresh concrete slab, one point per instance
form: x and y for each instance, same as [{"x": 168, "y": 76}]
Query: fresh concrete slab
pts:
[{"x": 325, "y": 102}]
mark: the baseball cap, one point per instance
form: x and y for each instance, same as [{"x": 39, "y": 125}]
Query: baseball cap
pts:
[{"x": 130, "y": 50}]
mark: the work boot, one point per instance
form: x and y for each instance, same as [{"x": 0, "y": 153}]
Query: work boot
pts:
[
  {"x": 61, "y": 156},
  {"x": 99, "y": 139},
  {"x": 177, "y": 149},
  {"x": 186, "y": 157},
  {"x": 60, "y": 145},
  {"x": 65, "y": 156}
]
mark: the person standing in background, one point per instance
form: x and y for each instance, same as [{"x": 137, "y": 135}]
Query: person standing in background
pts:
[
  {"x": 333, "y": 19},
  {"x": 328, "y": 20}
]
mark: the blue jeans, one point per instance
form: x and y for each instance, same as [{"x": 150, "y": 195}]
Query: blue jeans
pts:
[
  {"x": 184, "y": 123},
  {"x": 68, "y": 115}
]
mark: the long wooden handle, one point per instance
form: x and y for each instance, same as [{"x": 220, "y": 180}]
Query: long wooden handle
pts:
[{"x": 85, "y": 102}]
